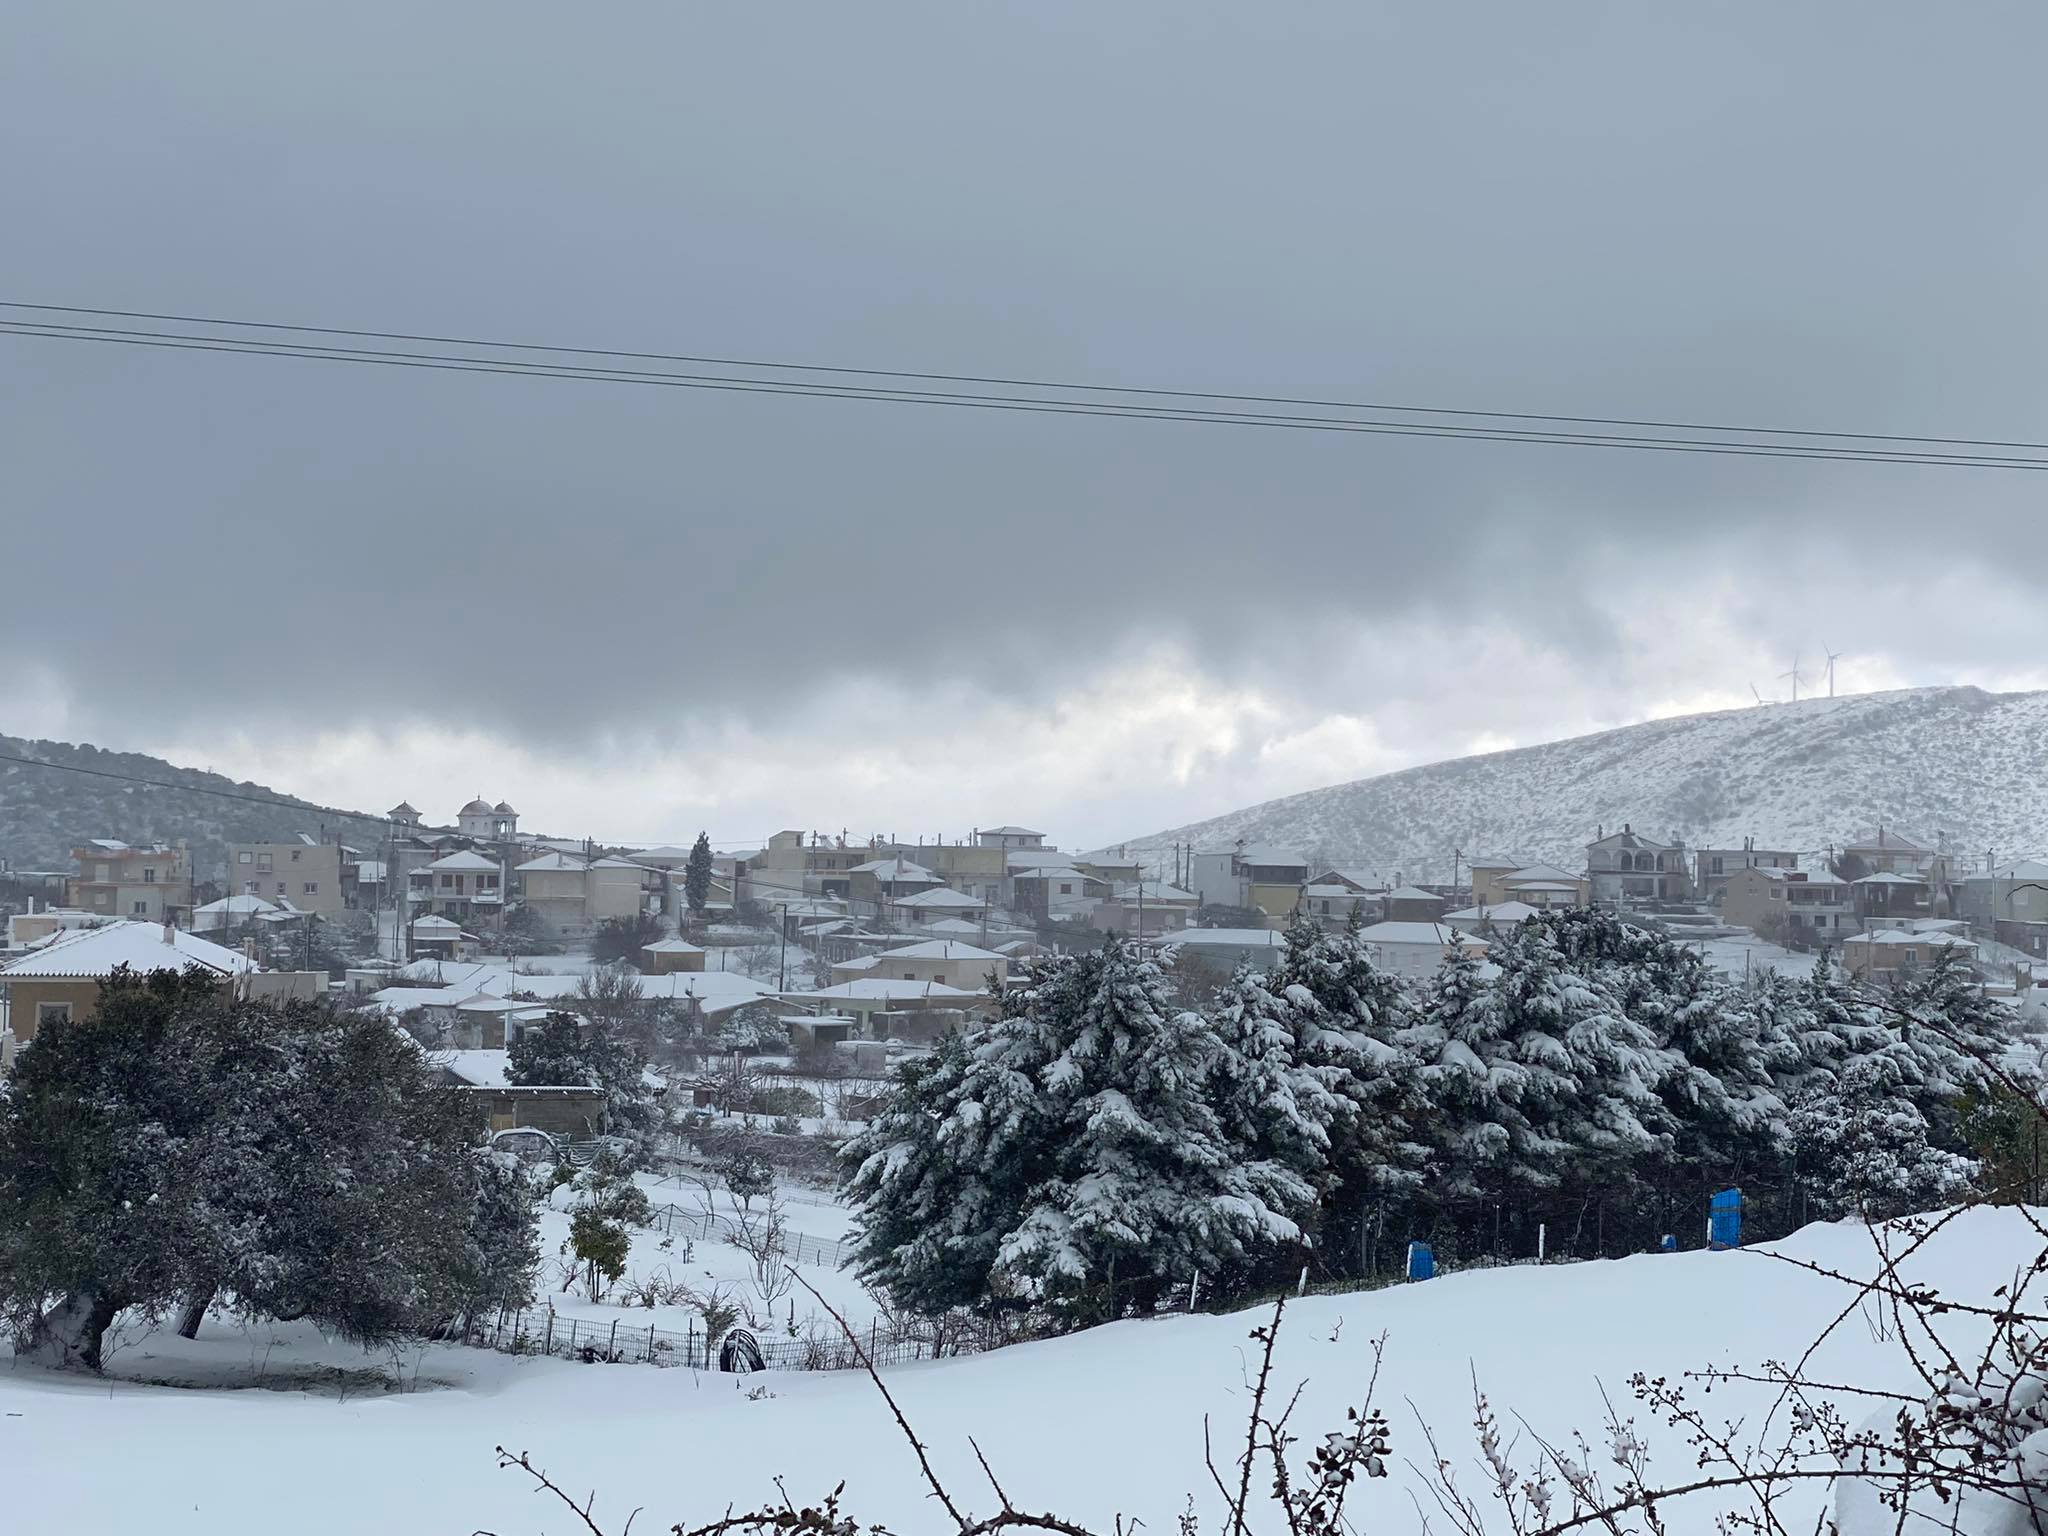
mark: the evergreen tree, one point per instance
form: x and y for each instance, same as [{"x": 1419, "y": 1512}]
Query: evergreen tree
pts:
[
  {"x": 697, "y": 876},
  {"x": 295, "y": 1160},
  {"x": 564, "y": 1050}
]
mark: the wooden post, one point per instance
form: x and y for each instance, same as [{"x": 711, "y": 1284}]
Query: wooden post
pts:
[
  {"x": 650, "y": 1343},
  {"x": 612, "y": 1348}
]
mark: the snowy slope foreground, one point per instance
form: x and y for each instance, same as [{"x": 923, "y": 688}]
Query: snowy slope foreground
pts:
[
  {"x": 1089, "y": 1425},
  {"x": 1797, "y": 776}
]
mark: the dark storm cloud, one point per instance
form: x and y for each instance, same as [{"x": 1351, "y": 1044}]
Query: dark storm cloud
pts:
[{"x": 1821, "y": 216}]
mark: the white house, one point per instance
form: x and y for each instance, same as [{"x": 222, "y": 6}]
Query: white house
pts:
[{"x": 1416, "y": 949}]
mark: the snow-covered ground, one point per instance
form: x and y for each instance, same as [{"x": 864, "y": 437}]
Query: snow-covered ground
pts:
[
  {"x": 1090, "y": 1425},
  {"x": 1740, "y": 954}
]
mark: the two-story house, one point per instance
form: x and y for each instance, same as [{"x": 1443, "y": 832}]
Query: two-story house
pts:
[
  {"x": 1626, "y": 869},
  {"x": 1713, "y": 866},
  {"x": 1250, "y": 875},
  {"x": 307, "y": 873},
  {"x": 116, "y": 880}
]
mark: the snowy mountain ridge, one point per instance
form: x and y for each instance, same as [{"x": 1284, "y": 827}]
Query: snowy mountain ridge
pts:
[{"x": 1924, "y": 761}]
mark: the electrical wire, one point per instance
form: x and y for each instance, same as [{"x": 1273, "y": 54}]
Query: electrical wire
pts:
[
  {"x": 1023, "y": 383},
  {"x": 1025, "y": 404}
]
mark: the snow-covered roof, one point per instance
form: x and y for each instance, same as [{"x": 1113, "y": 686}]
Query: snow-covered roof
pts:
[
  {"x": 433, "y": 923},
  {"x": 1414, "y": 933},
  {"x": 895, "y": 870},
  {"x": 109, "y": 844},
  {"x": 1412, "y": 893},
  {"x": 940, "y": 949},
  {"x": 1501, "y": 912},
  {"x": 1011, "y": 832},
  {"x": 1055, "y": 872},
  {"x": 879, "y": 989},
  {"x": 465, "y": 862},
  {"x": 1331, "y": 892},
  {"x": 397, "y": 1000},
  {"x": 403, "y": 808},
  {"x": 1887, "y": 839},
  {"x": 613, "y": 861},
  {"x": 1534, "y": 872},
  {"x": 1222, "y": 938},
  {"x": 1036, "y": 858},
  {"x": 1269, "y": 853},
  {"x": 1904, "y": 936},
  {"x": 1543, "y": 885},
  {"x": 673, "y": 947},
  {"x": 484, "y": 1002},
  {"x": 233, "y": 904},
  {"x": 2020, "y": 869},
  {"x": 1494, "y": 861},
  {"x": 858, "y": 963},
  {"x": 953, "y": 925},
  {"x": 941, "y": 898},
  {"x": 1886, "y": 877},
  {"x": 370, "y": 871},
  {"x": 554, "y": 863},
  {"x": 480, "y": 1069},
  {"x": 83, "y": 952},
  {"x": 1154, "y": 890},
  {"x": 477, "y": 807}
]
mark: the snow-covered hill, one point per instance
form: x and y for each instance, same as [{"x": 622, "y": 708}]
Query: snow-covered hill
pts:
[{"x": 1924, "y": 760}]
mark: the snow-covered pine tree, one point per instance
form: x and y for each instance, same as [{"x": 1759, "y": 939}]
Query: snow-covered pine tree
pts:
[{"x": 1146, "y": 1191}]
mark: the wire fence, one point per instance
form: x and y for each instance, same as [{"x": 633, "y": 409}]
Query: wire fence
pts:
[
  {"x": 616, "y": 1341},
  {"x": 797, "y": 1247}
]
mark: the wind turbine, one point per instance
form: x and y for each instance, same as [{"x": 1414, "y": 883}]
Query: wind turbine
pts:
[
  {"x": 1794, "y": 674},
  {"x": 1832, "y": 655},
  {"x": 1759, "y": 697}
]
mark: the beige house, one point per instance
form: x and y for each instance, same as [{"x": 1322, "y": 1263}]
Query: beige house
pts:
[
  {"x": 61, "y": 979},
  {"x": 1415, "y": 950},
  {"x": 1546, "y": 886},
  {"x": 1806, "y": 904},
  {"x": 1626, "y": 869},
  {"x": 1333, "y": 896},
  {"x": 665, "y": 957},
  {"x": 1713, "y": 866},
  {"x": 947, "y": 961},
  {"x": 117, "y": 880},
  {"x": 306, "y": 874},
  {"x": 574, "y": 895},
  {"x": 1885, "y": 953},
  {"x": 914, "y": 911}
]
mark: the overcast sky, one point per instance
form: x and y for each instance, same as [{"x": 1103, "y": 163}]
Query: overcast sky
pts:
[{"x": 640, "y": 612}]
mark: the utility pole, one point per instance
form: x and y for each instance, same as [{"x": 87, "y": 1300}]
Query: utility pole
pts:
[{"x": 782, "y": 963}]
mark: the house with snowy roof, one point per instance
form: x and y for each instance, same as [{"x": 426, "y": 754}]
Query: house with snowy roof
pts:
[
  {"x": 665, "y": 957},
  {"x": 2015, "y": 894},
  {"x": 1008, "y": 838},
  {"x": 1883, "y": 954},
  {"x": 1417, "y": 949},
  {"x": 1489, "y": 920},
  {"x": 921, "y": 907},
  {"x": 1814, "y": 905},
  {"x": 949, "y": 961},
  {"x": 1146, "y": 908},
  {"x": 1626, "y": 869},
  {"x": 60, "y": 979}
]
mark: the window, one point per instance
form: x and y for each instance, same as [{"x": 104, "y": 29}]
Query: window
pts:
[
  {"x": 1912, "y": 957},
  {"x": 312, "y": 887},
  {"x": 244, "y": 857},
  {"x": 447, "y": 882},
  {"x": 295, "y": 855},
  {"x": 263, "y": 861},
  {"x": 149, "y": 875},
  {"x": 249, "y": 888},
  {"x": 909, "y": 976},
  {"x": 1717, "y": 864},
  {"x": 52, "y": 1013},
  {"x": 1066, "y": 887},
  {"x": 141, "y": 909}
]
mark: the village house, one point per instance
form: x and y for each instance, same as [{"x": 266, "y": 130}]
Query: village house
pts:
[
  {"x": 666, "y": 957},
  {"x": 793, "y": 865},
  {"x": 922, "y": 907},
  {"x": 312, "y": 875},
  {"x": 1885, "y": 899},
  {"x": 573, "y": 895},
  {"x": 889, "y": 1009},
  {"x": 948, "y": 961},
  {"x": 1333, "y": 896},
  {"x": 116, "y": 880},
  {"x": 1258, "y": 876},
  {"x": 873, "y": 885},
  {"x": 439, "y": 938},
  {"x": 1412, "y": 904},
  {"x": 60, "y": 979},
  {"x": 463, "y": 885},
  {"x": 1416, "y": 949},
  {"x": 1057, "y": 894},
  {"x": 1810, "y": 905},
  {"x": 1887, "y": 851},
  {"x": 27, "y": 929},
  {"x": 1145, "y": 908},
  {"x": 1008, "y": 838},
  {"x": 1490, "y": 920},
  {"x": 1545, "y": 886},
  {"x": 1886, "y": 953},
  {"x": 2012, "y": 896},
  {"x": 1626, "y": 870},
  {"x": 1488, "y": 870},
  {"x": 1215, "y": 952},
  {"x": 1713, "y": 866}
]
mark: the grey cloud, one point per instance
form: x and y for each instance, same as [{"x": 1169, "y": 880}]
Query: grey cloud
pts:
[{"x": 1823, "y": 221}]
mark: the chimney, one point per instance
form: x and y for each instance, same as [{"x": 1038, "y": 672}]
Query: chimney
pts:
[
  {"x": 170, "y": 927},
  {"x": 249, "y": 950}
]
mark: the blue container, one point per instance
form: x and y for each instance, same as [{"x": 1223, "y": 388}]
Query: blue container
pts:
[
  {"x": 1724, "y": 1220},
  {"x": 1421, "y": 1261},
  {"x": 1670, "y": 1243}
]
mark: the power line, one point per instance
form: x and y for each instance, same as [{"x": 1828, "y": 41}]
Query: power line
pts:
[
  {"x": 1025, "y": 404},
  {"x": 1024, "y": 383}
]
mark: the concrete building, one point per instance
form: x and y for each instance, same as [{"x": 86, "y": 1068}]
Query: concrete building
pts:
[
  {"x": 1887, "y": 899},
  {"x": 1060, "y": 893},
  {"x": 1488, "y": 920},
  {"x": 1488, "y": 870},
  {"x": 921, "y": 907},
  {"x": 574, "y": 895},
  {"x": 1216, "y": 951},
  {"x": 1412, "y": 904},
  {"x": 117, "y": 880},
  {"x": 311, "y": 875},
  {"x": 2010, "y": 893},
  {"x": 465, "y": 885},
  {"x": 1545, "y": 886},
  {"x": 1810, "y": 905},
  {"x": 1255, "y": 875},
  {"x": 1884, "y": 953},
  {"x": 1146, "y": 909},
  {"x": 1713, "y": 866},
  {"x": 1417, "y": 950},
  {"x": 488, "y": 823},
  {"x": 1626, "y": 869},
  {"x": 1008, "y": 838}
]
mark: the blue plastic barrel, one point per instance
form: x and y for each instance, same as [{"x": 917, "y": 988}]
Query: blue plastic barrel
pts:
[
  {"x": 1670, "y": 1243},
  {"x": 1724, "y": 1220},
  {"x": 1421, "y": 1261}
]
